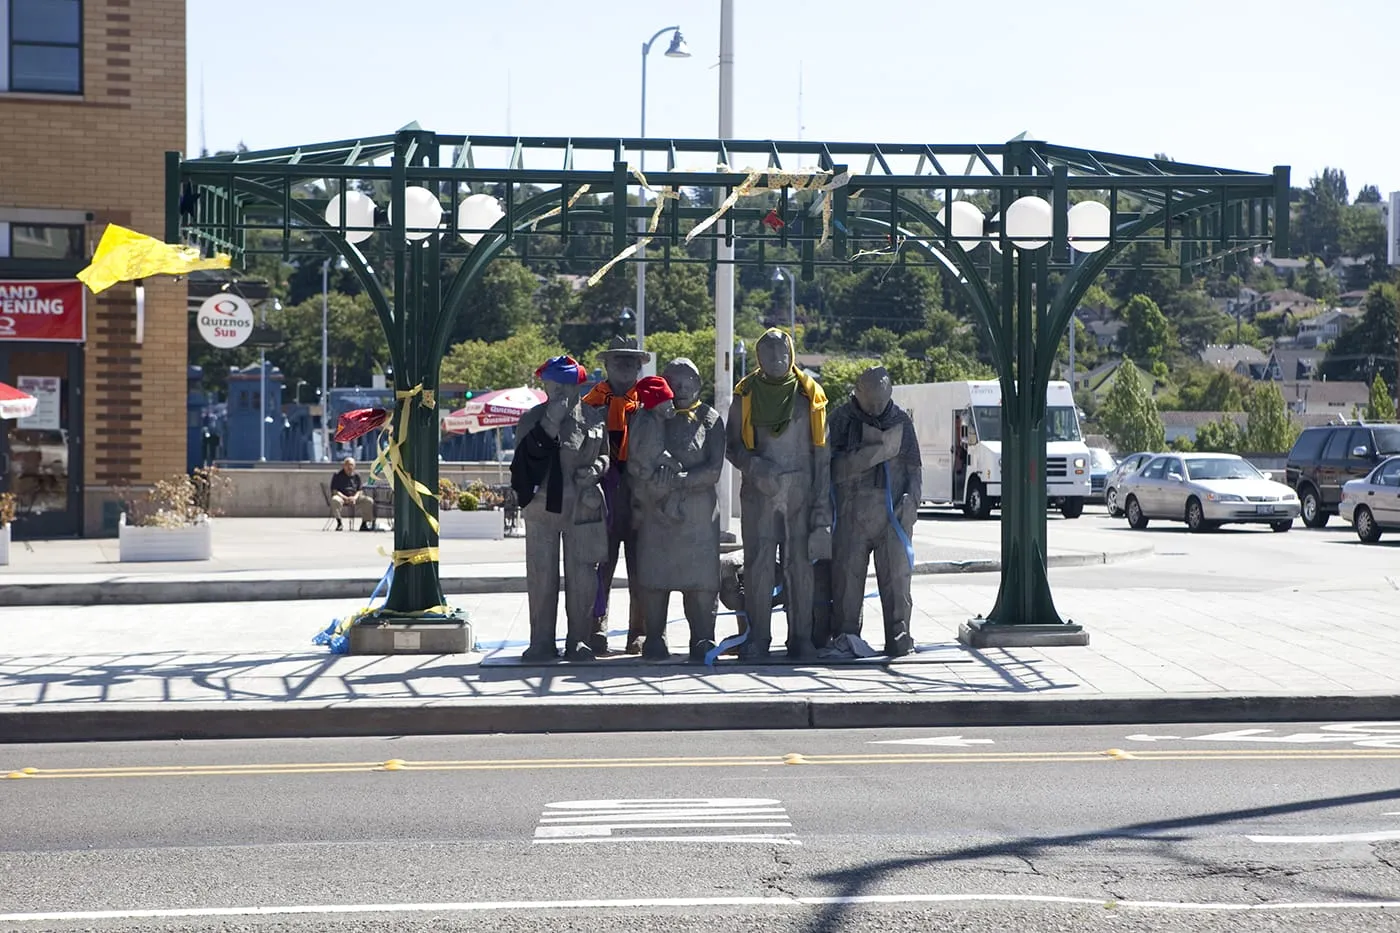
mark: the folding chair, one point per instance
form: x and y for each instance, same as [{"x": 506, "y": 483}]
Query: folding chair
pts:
[{"x": 330, "y": 510}]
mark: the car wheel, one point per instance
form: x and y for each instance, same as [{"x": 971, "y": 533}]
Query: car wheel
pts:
[
  {"x": 1314, "y": 516},
  {"x": 1136, "y": 519},
  {"x": 1110, "y": 501},
  {"x": 1072, "y": 507},
  {"x": 1282, "y": 525},
  {"x": 1366, "y": 528},
  {"x": 1196, "y": 517},
  {"x": 978, "y": 505}
]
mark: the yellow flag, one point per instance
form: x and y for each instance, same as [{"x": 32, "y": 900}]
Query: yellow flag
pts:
[{"x": 124, "y": 256}]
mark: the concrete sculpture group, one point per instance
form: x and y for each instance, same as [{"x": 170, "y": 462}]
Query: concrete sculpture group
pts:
[{"x": 631, "y": 469}]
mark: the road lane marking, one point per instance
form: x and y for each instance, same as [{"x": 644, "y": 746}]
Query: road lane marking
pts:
[
  {"x": 1383, "y": 836},
  {"x": 574, "y": 821},
  {"x": 952, "y": 740},
  {"x": 618, "y": 904},
  {"x": 763, "y": 761},
  {"x": 1361, "y": 734}
]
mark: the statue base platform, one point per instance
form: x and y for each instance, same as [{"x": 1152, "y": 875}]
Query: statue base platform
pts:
[
  {"x": 980, "y": 633},
  {"x": 387, "y": 633},
  {"x": 943, "y": 653}
]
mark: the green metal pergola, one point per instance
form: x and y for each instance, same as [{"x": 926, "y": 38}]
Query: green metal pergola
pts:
[{"x": 851, "y": 203}]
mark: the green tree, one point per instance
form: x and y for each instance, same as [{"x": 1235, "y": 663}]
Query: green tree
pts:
[
  {"x": 1221, "y": 436},
  {"x": 1149, "y": 333},
  {"x": 1380, "y": 407},
  {"x": 1269, "y": 430},
  {"x": 500, "y": 304},
  {"x": 1320, "y": 214},
  {"x": 839, "y": 375},
  {"x": 678, "y": 298},
  {"x": 878, "y": 340},
  {"x": 1203, "y": 389},
  {"x": 1373, "y": 337},
  {"x": 898, "y": 298},
  {"x": 1129, "y": 415},
  {"x": 356, "y": 346},
  {"x": 947, "y": 365},
  {"x": 698, "y": 346},
  {"x": 500, "y": 364}
]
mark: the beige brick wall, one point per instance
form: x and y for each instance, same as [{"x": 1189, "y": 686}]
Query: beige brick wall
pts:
[{"x": 104, "y": 153}]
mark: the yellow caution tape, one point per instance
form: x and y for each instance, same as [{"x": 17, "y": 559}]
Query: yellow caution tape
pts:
[{"x": 392, "y": 455}]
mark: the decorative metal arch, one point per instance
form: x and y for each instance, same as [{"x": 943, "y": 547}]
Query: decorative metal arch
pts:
[{"x": 805, "y": 196}]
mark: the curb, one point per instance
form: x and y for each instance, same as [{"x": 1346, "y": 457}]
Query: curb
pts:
[
  {"x": 95, "y": 723},
  {"x": 130, "y": 591}
]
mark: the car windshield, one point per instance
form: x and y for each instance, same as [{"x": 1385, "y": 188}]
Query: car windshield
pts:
[
  {"x": 1220, "y": 468},
  {"x": 1387, "y": 440},
  {"x": 1061, "y": 423},
  {"x": 1101, "y": 459}
]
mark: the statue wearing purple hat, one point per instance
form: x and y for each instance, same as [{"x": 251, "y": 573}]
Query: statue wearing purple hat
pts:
[{"x": 561, "y": 454}]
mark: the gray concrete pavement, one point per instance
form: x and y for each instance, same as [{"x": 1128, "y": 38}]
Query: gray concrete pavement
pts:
[
  {"x": 1243, "y": 626},
  {"x": 263, "y": 559},
  {"x": 1015, "y": 828}
]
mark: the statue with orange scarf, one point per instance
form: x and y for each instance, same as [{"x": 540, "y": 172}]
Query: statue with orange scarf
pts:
[{"x": 617, "y": 396}]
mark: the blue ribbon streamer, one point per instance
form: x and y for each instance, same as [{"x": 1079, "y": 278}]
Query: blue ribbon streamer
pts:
[
  {"x": 894, "y": 520},
  {"x": 334, "y": 635}
]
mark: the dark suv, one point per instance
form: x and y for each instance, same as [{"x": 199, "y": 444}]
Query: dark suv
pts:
[{"x": 1324, "y": 458}]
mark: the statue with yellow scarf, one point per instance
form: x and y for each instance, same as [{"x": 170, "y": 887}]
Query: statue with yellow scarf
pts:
[{"x": 776, "y": 439}]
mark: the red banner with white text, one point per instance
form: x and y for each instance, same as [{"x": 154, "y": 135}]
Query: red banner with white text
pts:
[{"x": 42, "y": 310}]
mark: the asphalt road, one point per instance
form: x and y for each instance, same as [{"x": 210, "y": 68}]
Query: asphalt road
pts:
[
  {"x": 1199, "y": 827},
  {"x": 1236, "y": 558}
]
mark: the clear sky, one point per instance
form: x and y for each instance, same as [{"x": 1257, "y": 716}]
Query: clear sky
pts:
[{"x": 1242, "y": 85}]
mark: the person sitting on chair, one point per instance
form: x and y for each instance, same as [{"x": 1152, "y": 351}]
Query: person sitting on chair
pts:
[{"x": 348, "y": 489}]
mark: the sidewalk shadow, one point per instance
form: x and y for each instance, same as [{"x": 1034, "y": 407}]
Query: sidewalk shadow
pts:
[
  {"x": 878, "y": 876},
  {"x": 194, "y": 677}
]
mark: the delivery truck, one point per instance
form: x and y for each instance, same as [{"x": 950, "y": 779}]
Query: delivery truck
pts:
[{"x": 960, "y": 437}]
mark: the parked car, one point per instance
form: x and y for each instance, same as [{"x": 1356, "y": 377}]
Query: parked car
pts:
[
  {"x": 1101, "y": 463},
  {"x": 1206, "y": 491},
  {"x": 1372, "y": 503},
  {"x": 1126, "y": 467},
  {"x": 1324, "y": 458}
]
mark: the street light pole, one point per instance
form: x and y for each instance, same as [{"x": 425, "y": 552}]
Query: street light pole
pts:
[
  {"x": 677, "y": 50},
  {"x": 724, "y": 271},
  {"x": 325, "y": 356},
  {"x": 780, "y": 274}
]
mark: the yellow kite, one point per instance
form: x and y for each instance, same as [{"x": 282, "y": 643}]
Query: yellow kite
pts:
[{"x": 125, "y": 256}]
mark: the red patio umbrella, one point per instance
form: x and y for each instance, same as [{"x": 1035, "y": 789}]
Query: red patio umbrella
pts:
[{"x": 14, "y": 403}]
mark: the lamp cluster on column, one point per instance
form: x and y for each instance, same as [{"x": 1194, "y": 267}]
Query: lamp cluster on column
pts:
[
  {"x": 1028, "y": 225},
  {"x": 422, "y": 215}
]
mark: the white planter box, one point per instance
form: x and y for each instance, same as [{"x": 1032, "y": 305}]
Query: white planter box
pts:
[
  {"x": 192, "y": 542},
  {"x": 481, "y": 524},
  {"x": 5, "y": 546}
]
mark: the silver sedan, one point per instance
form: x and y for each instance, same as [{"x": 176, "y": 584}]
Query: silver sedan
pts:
[
  {"x": 1125, "y": 468},
  {"x": 1372, "y": 503},
  {"x": 1206, "y": 491}
]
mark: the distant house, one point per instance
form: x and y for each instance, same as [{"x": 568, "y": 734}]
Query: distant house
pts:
[
  {"x": 1108, "y": 335},
  {"x": 1351, "y": 271},
  {"x": 1236, "y": 358},
  {"x": 1286, "y": 267},
  {"x": 1323, "y": 328},
  {"x": 1352, "y": 299},
  {"x": 1325, "y": 398}
]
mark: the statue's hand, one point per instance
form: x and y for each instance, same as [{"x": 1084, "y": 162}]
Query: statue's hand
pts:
[
  {"x": 587, "y": 476},
  {"x": 765, "y": 475},
  {"x": 906, "y": 511},
  {"x": 869, "y": 434}
]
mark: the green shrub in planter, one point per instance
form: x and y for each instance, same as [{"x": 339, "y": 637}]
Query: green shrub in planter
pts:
[{"x": 467, "y": 502}]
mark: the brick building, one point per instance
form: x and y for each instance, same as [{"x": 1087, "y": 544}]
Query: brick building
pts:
[{"x": 92, "y": 94}]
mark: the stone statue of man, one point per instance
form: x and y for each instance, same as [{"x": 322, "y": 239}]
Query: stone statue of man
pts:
[
  {"x": 561, "y": 455},
  {"x": 777, "y": 442},
  {"x": 877, "y": 476},
  {"x": 616, "y": 399},
  {"x": 677, "y": 455}
]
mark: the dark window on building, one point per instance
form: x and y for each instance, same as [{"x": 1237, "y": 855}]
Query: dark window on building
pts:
[
  {"x": 46, "y": 46},
  {"x": 47, "y": 241}
]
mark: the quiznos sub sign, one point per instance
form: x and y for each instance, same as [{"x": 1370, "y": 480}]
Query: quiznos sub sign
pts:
[{"x": 225, "y": 321}]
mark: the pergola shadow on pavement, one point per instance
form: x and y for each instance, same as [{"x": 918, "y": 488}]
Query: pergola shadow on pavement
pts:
[{"x": 860, "y": 203}]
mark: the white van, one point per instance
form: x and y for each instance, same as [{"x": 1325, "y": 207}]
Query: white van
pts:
[{"x": 959, "y": 428}]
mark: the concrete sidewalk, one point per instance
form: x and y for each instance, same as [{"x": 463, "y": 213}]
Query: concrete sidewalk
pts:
[
  {"x": 1305, "y": 652},
  {"x": 294, "y": 559}
]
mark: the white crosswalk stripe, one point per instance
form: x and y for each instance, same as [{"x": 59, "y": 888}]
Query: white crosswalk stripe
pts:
[{"x": 740, "y": 819}]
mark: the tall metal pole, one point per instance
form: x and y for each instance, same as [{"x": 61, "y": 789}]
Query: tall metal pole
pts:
[
  {"x": 325, "y": 356},
  {"x": 1073, "y": 320},
  {"x": 724, "y": 273},
  {"x": 641, "y": 309},
  {"x": 792, "y": 307},
  {"x": 262, "y": 394}
]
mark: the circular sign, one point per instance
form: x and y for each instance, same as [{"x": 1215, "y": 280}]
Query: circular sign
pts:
[{"x": 225, "y": 320}]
